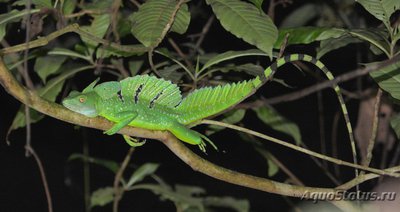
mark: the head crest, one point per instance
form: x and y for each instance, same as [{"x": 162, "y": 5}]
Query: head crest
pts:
[{"x": 91, "y": 86}]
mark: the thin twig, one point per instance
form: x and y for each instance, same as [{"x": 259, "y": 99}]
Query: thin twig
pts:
[
  {"x": 323, "y": 168},
  {"x": 297, "y": 148},
  {"x": 321, "y": 125},
  {"x": 283, "y": 46},
  {"x": 364, "y": 177},
  {"x": 282, "y": 167},
  {"x": 374, "y": 132},
  {"x": 335, "y": 154},
  {"x": 204, "y": 32},
  {"x": 42, "y": 41},
  {"x": 43, "y": 176},
  {"x": 136, "y": 3},
  {"x": 114, "y": 19},
  {"x": 179, "y": 51},
  {"x": 86, "y": 171},
  {"x": 84, "y": 12},
  {"x": 151, "y": 63},
  {"x": 118, "y": 191}
]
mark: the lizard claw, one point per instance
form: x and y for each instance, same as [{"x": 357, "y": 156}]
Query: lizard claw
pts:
[{"x": 132, "y": 141}]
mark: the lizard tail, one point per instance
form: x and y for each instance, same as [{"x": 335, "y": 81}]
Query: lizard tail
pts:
[{"x": 307, "y": 58}]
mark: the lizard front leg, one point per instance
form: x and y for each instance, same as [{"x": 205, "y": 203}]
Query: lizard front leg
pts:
[{"x": 124, "y": 118}]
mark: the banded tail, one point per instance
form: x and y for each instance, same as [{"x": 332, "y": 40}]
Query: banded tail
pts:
[{"x": 208, "y": 101}]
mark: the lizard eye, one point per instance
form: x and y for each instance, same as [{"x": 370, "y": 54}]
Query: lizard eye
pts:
[{"x": 81, "y": 100}]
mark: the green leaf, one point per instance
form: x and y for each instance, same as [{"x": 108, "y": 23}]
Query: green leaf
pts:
[
  {"x": 232, "y": 117},
  {"x": 43, "y": 3},
  {"x": 47, "y": 65},
  {"x": 388, "y": 79},
  {"x": 395, "y": 123},
  {"x": 279, "y": 123},
  {"x": 231, "y": 55},
  {"x": 68, "y": 53},
  {"x": 102, "y": 196},
  {"x": 98, "y": 4},
  {"x": 108, "y": 51},
  {"x": 245, "y": 21},
  {"x": 188, "y": 198},
  {"x": 20, "y": 121},
  {"x": 300, "y": 16},
  {"x": 306, "y": 35},
  {"x": 182, "y": 196},
  {"x": 12, "y": 16},
  {"x": 239, "y": 205},
  {"x": 375, "y": 37},
  {"x": 134, "y": 66},
  {"x": 329, "y": 45},
  {"x": 124, "y": 26},
  {"x": 109, "y": 164},
  {"x": 49, "y": 92},
  {"x": 97, "y": 28},
  {"x": 189, "y": 190},
  {"x": 172, "y": 73},
  {"x": 150, "y": 22},
  {"x": 249, "y": 68},
  {"x": 272, "y": 167},
  {"x": 2, "y": 31},
  {"x": 381, "y": 9},
  {"x": 141, "y": 173},
  {"x": 68, "y": 6},
  {"x": 257, "y": 3},
  {"x": 182, "y": 20}
]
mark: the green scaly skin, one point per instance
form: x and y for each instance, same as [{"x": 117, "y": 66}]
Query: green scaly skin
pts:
[{"x": 155, "y": 104}]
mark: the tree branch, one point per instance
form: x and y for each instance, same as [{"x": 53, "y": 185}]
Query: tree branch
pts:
[
  {"x": 131, "y": 49},
  {"x": 178, "y": 148}
]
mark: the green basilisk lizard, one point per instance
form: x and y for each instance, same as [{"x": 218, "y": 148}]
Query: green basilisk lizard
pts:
[{"x": 156, "y": 104}]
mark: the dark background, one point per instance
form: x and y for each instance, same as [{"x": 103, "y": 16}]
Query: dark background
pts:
[{"x": 21, "y": 188}]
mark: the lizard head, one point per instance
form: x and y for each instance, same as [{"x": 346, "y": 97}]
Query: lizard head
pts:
[{"x": 83, "y": 103}]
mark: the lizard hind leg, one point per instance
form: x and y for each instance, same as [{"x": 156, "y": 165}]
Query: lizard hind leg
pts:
[
  {"x": 189, "y": 136},
  {"x": 133, "y": 142}
]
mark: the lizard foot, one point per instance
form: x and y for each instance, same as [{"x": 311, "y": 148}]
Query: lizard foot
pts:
[{"x": 132, "y": 141}]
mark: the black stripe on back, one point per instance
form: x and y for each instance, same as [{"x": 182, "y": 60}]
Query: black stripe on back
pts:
[
  {"x": 136, "y": 97},
  {"x": 120, "y": 96},
  {"x": 180, "y": 101},
  {"x": 151, "y": 105},
  {"x": 301, "y": 56}
]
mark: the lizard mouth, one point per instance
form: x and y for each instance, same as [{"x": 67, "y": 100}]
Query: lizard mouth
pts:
[{"x": 82, "y": 109}]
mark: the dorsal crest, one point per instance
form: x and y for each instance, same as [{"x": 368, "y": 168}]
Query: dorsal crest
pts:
[{"x": 151, "y": 91}]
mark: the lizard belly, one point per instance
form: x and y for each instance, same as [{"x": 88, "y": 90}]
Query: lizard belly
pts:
[{"x": 151, "y": 121}]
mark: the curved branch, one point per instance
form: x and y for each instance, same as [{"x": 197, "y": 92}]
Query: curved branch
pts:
[
  {"x": 131, "y": 49},
  {"x": 300, "y": 149},
  {"x": 178, "y": 148}
]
